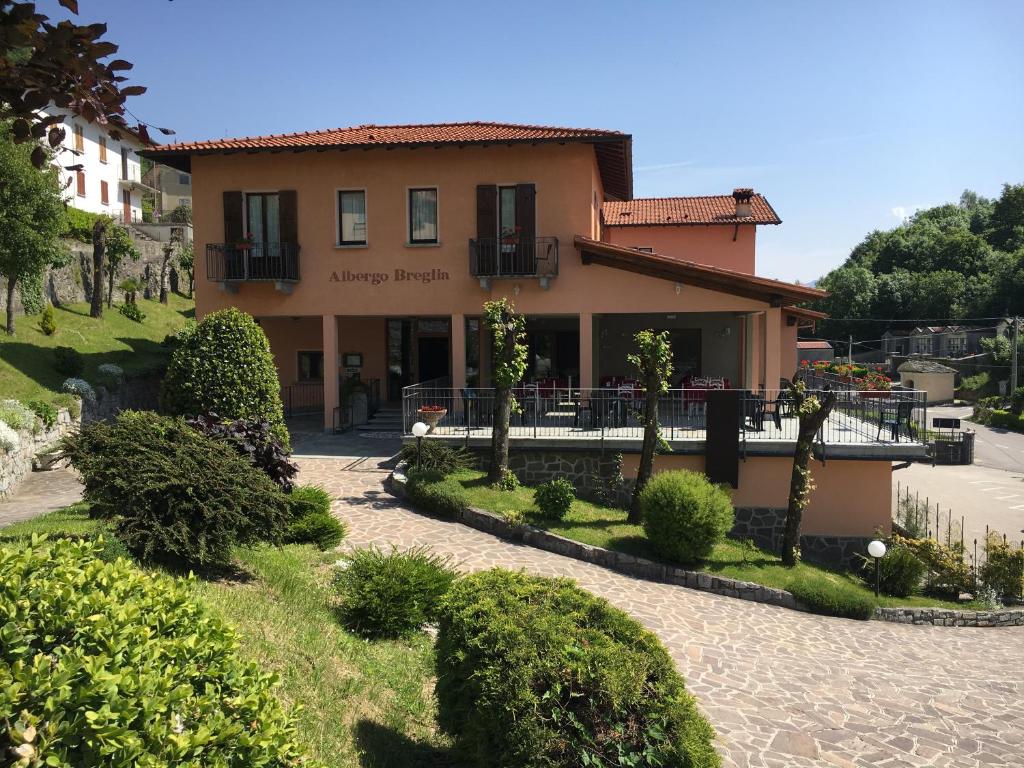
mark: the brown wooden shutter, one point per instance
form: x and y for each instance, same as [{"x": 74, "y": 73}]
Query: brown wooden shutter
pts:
[
  {"x": 80, "y": 183},
  {"x": 486, "y": 211},
  {"x": 526, "y": 212},
  {"x": 104, "y": 196},
  {"x": 232, "y": 217},
  {"x": 288, "y": 205}
]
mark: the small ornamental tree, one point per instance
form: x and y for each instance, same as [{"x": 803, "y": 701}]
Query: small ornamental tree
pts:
[
  {"x": 653, "y": 362},
  {"x": 508, "y": 331},
  {"x": 187, "y": 263},
  {"x": 99, "y": 249},
  {"x": 812, "y": 413},
  {"x": 223, "y": 365},
  {"x": 120, "y": 246}
]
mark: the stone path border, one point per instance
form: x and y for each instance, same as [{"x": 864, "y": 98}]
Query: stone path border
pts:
[{"x": 640, "y": 567}]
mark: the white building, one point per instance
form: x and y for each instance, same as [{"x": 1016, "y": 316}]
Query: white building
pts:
[{"x": 110, "y": 181}]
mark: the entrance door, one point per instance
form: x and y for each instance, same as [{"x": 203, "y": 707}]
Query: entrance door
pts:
[{"x": 432, "y": 352}]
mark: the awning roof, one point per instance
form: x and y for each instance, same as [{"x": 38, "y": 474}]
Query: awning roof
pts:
[{"x": 776, "y": 292}]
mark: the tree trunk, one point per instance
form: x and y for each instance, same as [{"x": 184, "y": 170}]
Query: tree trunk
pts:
[
  {"x": 99, "y": 246},
  {"x": 499, "y": 434},
  {"x": 191, "y": 283},
  {"x": 110, "y": 289},
  {"x": 163, "y": 274},
  {"x": 650, "y": 445},
  {"x": 799, "y": 481},
  {"x": 11, "y": 282}
]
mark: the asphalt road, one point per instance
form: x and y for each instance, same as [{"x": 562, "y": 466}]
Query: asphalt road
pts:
[{"x": 995, "y": 448}]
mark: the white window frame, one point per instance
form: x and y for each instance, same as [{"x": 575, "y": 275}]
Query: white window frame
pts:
[{"x": 366, "y": 213}]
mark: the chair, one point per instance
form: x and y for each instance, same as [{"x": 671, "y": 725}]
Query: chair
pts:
[
  {"x": 894, "y": 416},
  {"x": 753, "y": 406}
]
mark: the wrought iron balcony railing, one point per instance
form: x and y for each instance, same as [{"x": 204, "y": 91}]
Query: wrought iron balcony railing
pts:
[
  {"x": 256, "y": 262},
  {"x": 513, "y": 257}
]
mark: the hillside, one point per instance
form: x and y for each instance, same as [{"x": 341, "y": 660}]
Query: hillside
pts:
[{"x": 27, "y": 361}]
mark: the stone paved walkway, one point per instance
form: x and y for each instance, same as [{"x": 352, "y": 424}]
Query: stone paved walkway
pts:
[
  {"x": 783, "y": 689},
  {"x": 41, "y": 492}
]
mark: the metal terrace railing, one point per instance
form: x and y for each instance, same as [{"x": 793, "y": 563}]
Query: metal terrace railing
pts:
[
  {"x": 255, "y": 262},
  {"x": 513, "y": 257},
  {"x": 615, "y": 413}
]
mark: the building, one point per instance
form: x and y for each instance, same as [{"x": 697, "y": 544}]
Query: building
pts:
[
  {"x": 946, "y": 341},
  {"x": 814, "y": 350},
  {"x": 110, "y": 178},
  {"x": 938, "y": 381},
  {"x": 369, "y": 251},
  {"x": 173, "y": 188}
]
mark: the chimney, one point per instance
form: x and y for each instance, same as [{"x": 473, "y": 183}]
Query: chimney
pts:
[{"x": 742, "y": 197}]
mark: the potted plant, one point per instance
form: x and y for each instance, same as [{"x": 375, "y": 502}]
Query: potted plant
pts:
[
  {"x": 246, "y": 243},
  {"x": 431, "y": 415},
  {"x": 874, "y": 384}
]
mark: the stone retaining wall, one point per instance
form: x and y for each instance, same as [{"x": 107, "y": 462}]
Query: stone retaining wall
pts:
[
  {"x": 764, "y": 526},
  {"x": 139, "y": 393},
  {"x": 14, "y": 466},
  {"x": 642, "y": 568}
]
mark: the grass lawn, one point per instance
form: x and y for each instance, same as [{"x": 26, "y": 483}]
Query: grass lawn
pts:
[
  {"x": 364, "y": 703},
  {"x": 26, "y": 364},
  {"x": 607, "y": 527}
]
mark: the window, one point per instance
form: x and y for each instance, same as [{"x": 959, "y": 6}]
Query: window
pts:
[
  {"x": 423, "y": 216},
  {"x": 79, "y": 138},
  {"x": 184, "y": 179},
  {"x": 311, "y": 366},
  {"x": 263, "y": 220},
  {"x": 351, "y": 217},
  {"x": 103, "y": 149},
  {"x": 80, "y": 183},
  {"x": 507, "y": 211},
  {"x": 104, "y": 193}
]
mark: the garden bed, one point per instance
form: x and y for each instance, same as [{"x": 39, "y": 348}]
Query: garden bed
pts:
[{"x": 601, "y": 535}]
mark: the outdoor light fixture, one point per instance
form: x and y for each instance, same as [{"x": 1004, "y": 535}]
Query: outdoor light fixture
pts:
[
  {"x": 877, "y": 550},
  {"x": 419, "y": 429}
]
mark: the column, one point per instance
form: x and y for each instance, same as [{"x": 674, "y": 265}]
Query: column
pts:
[
  {"x": 586, "y": 350},
  {"x": 330, "y": 334},
  {"x": 772, "y": 348},
  {"x": 458, "y": 351}
]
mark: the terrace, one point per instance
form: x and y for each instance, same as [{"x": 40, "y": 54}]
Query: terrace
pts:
[{"x": 878, "y": 424}]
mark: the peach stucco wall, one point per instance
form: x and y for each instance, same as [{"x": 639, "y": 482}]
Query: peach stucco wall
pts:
[
  {"x": 290, "y": 335},
  {"x": 704, "y": 244},
  {"x": 852, "y": 498},
  {"x": 788, "y": 354},
  {"x": 565, "y": 182}
]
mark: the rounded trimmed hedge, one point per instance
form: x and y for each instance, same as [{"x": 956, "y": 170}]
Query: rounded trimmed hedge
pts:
[
  {"x": 685, "y": 515},
  {"x": 535, "y": 671},
  {"x": 224, "y": 365},
  {"x": 107, "y": 664}
]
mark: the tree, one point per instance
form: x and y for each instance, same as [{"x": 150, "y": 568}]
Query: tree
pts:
[
  {"x": 187, "y": 262},
  {"x": 31, "y": 216},
  {"x": 653, "y": 362},
  {"x": 120, "y": 246},
  {"x": 43, "y": 62},
  {"x": 852, "y": 292},
  {"x": 99, "y": 247},
  {"x": 1007, "y": 220},
  {"x": 812, "y": 413},
  {"x": 508, "y": 331},
  {"x": 168, "y": 249}
]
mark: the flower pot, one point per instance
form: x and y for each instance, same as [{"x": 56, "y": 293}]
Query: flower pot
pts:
[
  {"x": 431, "y": 418},
  {"x": 874, "y": 394}
]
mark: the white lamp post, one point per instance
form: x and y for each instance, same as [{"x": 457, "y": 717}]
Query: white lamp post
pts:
[
  {"x": 877, "y": 550},
  {"x": 419, "y": 429}
]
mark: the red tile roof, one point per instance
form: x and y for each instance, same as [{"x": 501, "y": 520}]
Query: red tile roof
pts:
[
  {"x": 813, "y": 345},
  {"x": 400, "y": 135},
  {"x": 676, "y": 211}
]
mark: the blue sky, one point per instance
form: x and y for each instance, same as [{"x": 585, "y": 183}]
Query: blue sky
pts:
[{"x": 845, "y": 114}]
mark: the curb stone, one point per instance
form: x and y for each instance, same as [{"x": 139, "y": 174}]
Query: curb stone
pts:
[{"x": 641, "y": 568}]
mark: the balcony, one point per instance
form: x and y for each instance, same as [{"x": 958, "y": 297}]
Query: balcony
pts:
[
  {"x": 231, "y": 264},
  {"x": 513, "y": 257}
]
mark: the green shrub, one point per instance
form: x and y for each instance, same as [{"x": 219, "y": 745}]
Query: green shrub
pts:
[
  {"x": 311, "y": 518},
  {"x": 534, "y": 671},
  {"x": 46, "y": 413},
  {"x": 554, "y": 498},
  {"x": 900, "y": 572},
  {"x": 80, "y": 224},
  {"x": 685, "y": 515},
  {"x": 389, "y": 594},
  {"x": 441, "y": 495},
  {"x": 171, "y": 494},
  {"x": 223, "y": 365},
  {"x": 68, "y": 361},
  {"x": 436, "y": 456},
  {"x": 1003, "y": 569},
  {"x": 107, "y": 664},
  {"x": 132, "y": 312},
  {"x": 831, "y": 596},
  {"x": 48, "y": 323},
  {"x": 17, "y": 416},
  {"x": 508, "y": 482},
  {"x": 946, "y": 571}
]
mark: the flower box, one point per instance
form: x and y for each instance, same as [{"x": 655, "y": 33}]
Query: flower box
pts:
[{"x": 431, "y": 415}]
